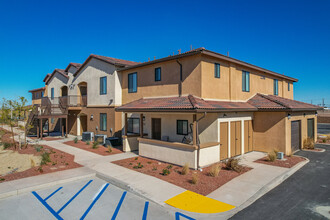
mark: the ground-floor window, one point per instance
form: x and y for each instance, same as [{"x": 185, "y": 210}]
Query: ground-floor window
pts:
[
  {"x": 103, "y": 121},
  {"x": 310, "y": 128},
  {"x": 182, "y": 127},
  {"x": 133, "y": 125}
]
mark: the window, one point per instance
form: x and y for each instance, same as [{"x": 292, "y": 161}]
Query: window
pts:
[
  {"x": 133, "y": 125},
  {"x": 103, "y": 121},
  {"x": 52, "y": 120},
  {"x": 103, "y": 85},
  {"x": 182, "y": 127},
  {"x": 275, "y": 87},
  {"x": 132, "y": 82},
  {"x": 245, "y": 81},
  {"x": 217, "y": 70},
  {"x": 288, "y": 86},
  {"x": 52, "y": 93},
  {"x": 158, "y": 74},
  {"x": 42, "y": 94}
]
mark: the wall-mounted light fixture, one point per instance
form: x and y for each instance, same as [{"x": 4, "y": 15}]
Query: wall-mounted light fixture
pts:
[
  {"x": 92, "y": 116},
  {"x": 224, "y": 115},
  {"x": 289, "y": 115},
  {"x": 315, "y": 113},
  {"x": 304, "y": 114}
]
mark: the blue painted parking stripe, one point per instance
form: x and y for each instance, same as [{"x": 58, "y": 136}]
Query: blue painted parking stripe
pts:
[
  {"x": 57, "y": 216},
  {"x": 118, "y": 206},
  {"x": 145, "y": 212},
  {"x": 66, "y": 204},
  {"x": 94, "y": 201},
  {"x": 178, "y": 214},
  {"x": 53, "y": 193}
]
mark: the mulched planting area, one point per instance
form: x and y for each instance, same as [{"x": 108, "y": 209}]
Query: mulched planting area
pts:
[
  {"x": 59, "y": 160},
  {"x": 321, "y": 141},
  {"x": 205, "y": 185},
  {"x": 287, "y": 163},
  {"x": 101, "y": 150}
]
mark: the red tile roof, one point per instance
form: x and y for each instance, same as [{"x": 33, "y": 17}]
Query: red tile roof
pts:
[
  {"x": 36, "y": 90},
  {"x": 184, "y": 103},
  {"x": 110, "y": 60},
  {"x": 76, "y": 65},
  {"x": 272, "y": 102},
  {"x": 46, "y": 77}
]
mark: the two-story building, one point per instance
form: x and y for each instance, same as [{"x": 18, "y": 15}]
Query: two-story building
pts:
[
  {"x": 201, "y": 107},
  {"x": 197, "y": 107}
]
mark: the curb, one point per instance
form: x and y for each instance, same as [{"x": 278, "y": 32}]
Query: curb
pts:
[{"x": 25, "y": 189}]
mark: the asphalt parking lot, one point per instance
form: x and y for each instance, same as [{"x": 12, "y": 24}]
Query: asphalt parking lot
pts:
[
  {"x": 84, "y": 199},
  {"x": 323, "y": 128}
]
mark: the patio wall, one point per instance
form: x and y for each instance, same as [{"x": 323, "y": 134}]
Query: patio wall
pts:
[
  {"x": 130, "y": 143},
  {"x": 178, "y": 153}
]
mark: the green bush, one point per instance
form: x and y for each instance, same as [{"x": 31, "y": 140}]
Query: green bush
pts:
[
  {"x": 75, "y": 140},
  {"x": 324, "y": 140},
  {"x": 7, "y": 145},
  {"x": 38, "y": 148},
  {"x": 45, "y": 158},
  {"x": 166, "y": 172},
  {"x": 88, "y": 142},
  {"x": 95, "y": 145},
  {"x": 169, "y": 166},
  {"x": 139, "y": 166}
]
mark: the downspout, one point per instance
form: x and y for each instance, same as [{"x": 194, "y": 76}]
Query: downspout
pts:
[
  {"x": 198, "y": 142},
  {"x": 180, "y": 85}
]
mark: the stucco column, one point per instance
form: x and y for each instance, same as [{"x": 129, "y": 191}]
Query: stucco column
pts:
[
  {"x": 194, "y": 130},
  {"x": 141, "y": 125},
  {"x": 125, "y": 124}
]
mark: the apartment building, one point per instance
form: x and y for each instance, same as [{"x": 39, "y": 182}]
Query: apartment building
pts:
[{"x": 197, "y": 107}]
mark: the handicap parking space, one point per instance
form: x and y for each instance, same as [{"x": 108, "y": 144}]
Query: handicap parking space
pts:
[{"x": 84, "y": 199}]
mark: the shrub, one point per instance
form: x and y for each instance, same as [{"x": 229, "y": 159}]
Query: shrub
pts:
[
  {"x": 185, "y": 169},
  {"x": 40, "y": 169},
  {"x": 88, "y": 142},
  {"x": 45, "y": 158},
  {"x": 166, "y": 172},
  {"x": 75, "y": 140},
  {"x": 130, "y": 164},
  {"x": 194, "y": 179},
  {"x": 233, "y": 164},
  {"x": 136, "y": 158},
  {"x": 139, "y": 166},
  {"x": 109, "y": 148},
  {"x": 276, "y": 151},
  {"x": 149, "y": 162},
  {"x": 6, "y": 145},
  {"x": 324, "y": 140},
  {"x": 2, "y": 179},
  {"x": 169, "y": 166},
  {"x": 95, "y": 145},
  {"x": 154, "y": 168},
  {"x": 271, "y": 156},
  {"x": 214, "y": 171},
  {"x": 38, "y": 148},
  {"x": 308, "y": 143}
]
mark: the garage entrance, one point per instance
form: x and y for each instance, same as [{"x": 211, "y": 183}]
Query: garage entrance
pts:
[{"x": 295, "y": 136}]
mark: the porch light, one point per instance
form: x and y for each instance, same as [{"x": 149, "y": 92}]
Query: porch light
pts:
[
  {"x": 304, "y": 114},
  {"x": 289, "y": 115},
  {"x": 315, "y": 113},
  {"x": 224, "y": 115},
  {"x": 92, "y": 116}
]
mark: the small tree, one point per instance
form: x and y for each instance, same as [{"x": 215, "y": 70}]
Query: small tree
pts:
[{"x": 21, "y": 105}]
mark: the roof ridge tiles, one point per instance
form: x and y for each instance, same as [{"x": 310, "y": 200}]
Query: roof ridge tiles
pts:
[{"x": 272, "y": 100}]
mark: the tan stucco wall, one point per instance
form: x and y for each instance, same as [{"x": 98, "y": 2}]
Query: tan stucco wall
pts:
[
  {"x": 269, "y": 131},
  {"x": 130, "y": 143},
  {"x": 91, "y": 74},
  {"x": 113, "y": 120},
  {"x": 57, "y": 82},
  {"x": 229, "y": 85},
  {"x": 170, "y": 79},
  {"x": 303, "y": 123}
]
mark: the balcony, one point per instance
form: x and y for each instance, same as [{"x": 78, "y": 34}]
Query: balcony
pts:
[{"x": 61, "y": 105}]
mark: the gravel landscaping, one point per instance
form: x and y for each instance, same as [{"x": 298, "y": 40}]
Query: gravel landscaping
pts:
[
  {"x": 287, "y": 162},
  {"x": 101, "y": 150},
  {"x": 205, "y": 183}
]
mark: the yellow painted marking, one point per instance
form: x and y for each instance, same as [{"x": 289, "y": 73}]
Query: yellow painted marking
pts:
[{"x": 194, "y": 202}]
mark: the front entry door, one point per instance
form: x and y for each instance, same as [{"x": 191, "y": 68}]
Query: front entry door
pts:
[{"x": 156, "y": 128}]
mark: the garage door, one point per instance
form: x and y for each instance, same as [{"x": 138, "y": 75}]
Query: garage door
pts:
[{"x": 295, "y": 135}]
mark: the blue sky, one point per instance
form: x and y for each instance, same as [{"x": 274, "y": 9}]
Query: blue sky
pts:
[{"x": 290, "y": 37}]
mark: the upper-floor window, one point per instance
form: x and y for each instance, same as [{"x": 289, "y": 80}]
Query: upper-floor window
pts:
[
  {"x": 182, "y": 127},
  {"x": 103, "y": 85},
  {"x": 133, "y": 125},
  {"x": 245, "y": 81},
  {"x": 42, "y": 94},
  {"x": 288, "y": 86},
  {"x": 103, "y": 121},
  {"x": 132, "y": 82},
  {"x": 217, "y": 70},
  {"x": 275, "y": 87},
  {"x": 52, "y": 93},
  {"x": 158, "y": 74}
]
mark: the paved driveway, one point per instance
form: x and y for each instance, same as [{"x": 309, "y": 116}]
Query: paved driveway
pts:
[
  {"x": 300, "y": 196},
  {"x": 323, "y": 128}
]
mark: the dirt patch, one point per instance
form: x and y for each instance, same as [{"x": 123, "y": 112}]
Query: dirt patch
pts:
[
  {"x": 101, "y": 150},
  {"x": 59, "y": 161},
  {"x": 205, "y": 185},
  {"x": 288, "y": 162}
]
